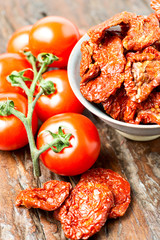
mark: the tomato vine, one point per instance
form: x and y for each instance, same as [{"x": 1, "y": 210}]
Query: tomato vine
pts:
[{"x": 16, "y": 78}]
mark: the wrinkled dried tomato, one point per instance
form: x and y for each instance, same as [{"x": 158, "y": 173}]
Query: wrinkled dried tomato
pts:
[
  {"x": 116, "y": 183},
  {"x": 155, "y": 5},
  {"x": 48, "y": 198},
  {"x": 97, "y": 33},
  {"x": 142, "y": 73},
  {"x": 86, "y": 210},
  {"x": 149, "y": 110},
  {"x": 120, "y": 107},
  {"x": 143, "y": 32},
  {"x": 102, "y": 76},
  {"x": 99, "y": 195}
]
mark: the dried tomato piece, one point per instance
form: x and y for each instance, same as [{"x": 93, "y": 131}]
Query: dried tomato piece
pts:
[
  {"x": 120, "y": 107},
  {"x": 117, "y": 184},
  {"x": 48, "y": 198},
  {"x": 149, "y": 110},
  {"x": 148, "y": 116},
  {"x": 155, "y": 5},
  {"x": 88, "y": 68},
  {"x": 97, "y": 32},
  {"x": 130, "y": 111},
  {"x": 143, "y": 32},
  {"x": 86, "y": 210},
  {"x": 142, "y": 73},
  {"x": 105, "y": 72},
  {"x": 102, "y": 87},
  {"x": 109, "y": 54},
  {"x": 86, "y": 60}
]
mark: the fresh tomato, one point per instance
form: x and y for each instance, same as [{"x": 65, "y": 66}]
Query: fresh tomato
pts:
[
  {"x": 19, "y": 41},
  {"x": 84, "y": 144},
  {"x": 61, "y": 101},
  {"x": 12, "y": 131},
  {"x": 10, "y": 62},
  {"x": 56, "y": 35}
]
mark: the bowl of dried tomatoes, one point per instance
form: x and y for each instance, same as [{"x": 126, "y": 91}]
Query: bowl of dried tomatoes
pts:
[{"x": 114, "y": 70}]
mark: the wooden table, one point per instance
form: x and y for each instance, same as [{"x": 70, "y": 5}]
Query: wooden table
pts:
[{"x": 139, "y": 162}]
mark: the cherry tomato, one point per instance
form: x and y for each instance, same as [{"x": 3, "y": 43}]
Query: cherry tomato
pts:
[
  {"x": 61, "y": 101},
  {"x": 8, "y": 63},
  {"x": 19, "y": 40},
  {"x": 12, "y": 131},
  {"x": 84, "y": 145},
  {"x": 55, "y": 35}
]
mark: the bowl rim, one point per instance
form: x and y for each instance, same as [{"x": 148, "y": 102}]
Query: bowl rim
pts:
[{"x": 74, "y": 56}]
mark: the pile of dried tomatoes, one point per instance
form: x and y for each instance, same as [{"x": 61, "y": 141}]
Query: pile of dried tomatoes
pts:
[
  {"x": 100, "y": 194},
  {"x": 120, "y": 66}
]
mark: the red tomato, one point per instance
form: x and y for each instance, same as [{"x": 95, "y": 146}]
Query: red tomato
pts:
[
  {"x": 61, "y": 101},
  {"x": 84, "y": 144},
  {"x": 19, "y": 40},
  {"x": 8, "y": 63},
  {"x": 12, "y": 131},
  {"x": 55, "y": 35}
]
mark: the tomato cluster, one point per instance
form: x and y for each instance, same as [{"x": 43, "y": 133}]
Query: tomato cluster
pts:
[{"x": 58, "y": 36}]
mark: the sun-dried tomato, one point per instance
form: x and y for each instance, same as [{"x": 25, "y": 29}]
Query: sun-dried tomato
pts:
[
  {"x": 149, "y": 110},
  {"x": 102, "y": 76},
  {"x": 143, "y": 32},
  {"x": 99, "y": 195},
  {"x": 120, "y": 107},
  {"x": 155, "y": 5},
  {"x": 116, "y": 183},
  {"x": 48, "y": 198},
  {"x": 120, "y": 66},
  {"x": 86, "y": 210},
  {"x": 142, "y": 73},
  {"x": 97, "y": 33}
]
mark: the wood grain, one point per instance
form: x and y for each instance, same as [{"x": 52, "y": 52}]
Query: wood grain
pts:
[{"x": 139, "y": 162}]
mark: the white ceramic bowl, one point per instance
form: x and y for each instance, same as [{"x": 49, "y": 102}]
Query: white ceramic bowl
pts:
[{"x": 131, "y": 131}]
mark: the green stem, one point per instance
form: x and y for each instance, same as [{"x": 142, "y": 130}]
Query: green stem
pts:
[
  {"x": 24, "y": 86},
  {"x": 27, "y": 121},
  {"x": 47, "y": 146},
  {"x": 33, "y": 149},
  {"x": 37, "y": 97},
  {"x": 38, "y": 75},
  {"x": 31, "y": 102},
  {"x": 33, "y": 63},
  {"x": 18, "y": 114}
]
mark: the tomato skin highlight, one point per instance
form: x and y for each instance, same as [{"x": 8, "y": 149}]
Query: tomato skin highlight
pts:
[
  {"x": 19, "y": 41},
  {"x": 61, "y": 101},
  {"x": 56, "y": 35},
  {"x": 10, "y": 62},
  {"x": 84, "y": 144},
  {"x": 12, "y": 131}
]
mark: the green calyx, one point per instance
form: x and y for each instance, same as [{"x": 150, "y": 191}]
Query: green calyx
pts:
[
  {"x": 30, "y": 56},
  {"x": 48, "y": 87},
  {"x": 47, "y": 58},
  {"x": 60, "y": 140},
  {"x": 5, "y": 107},
  {"x": 16, "y": 78}
]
